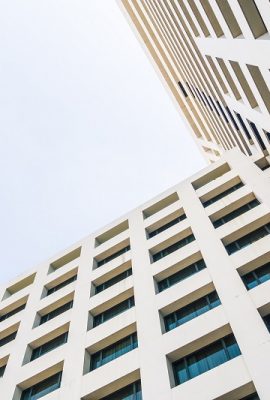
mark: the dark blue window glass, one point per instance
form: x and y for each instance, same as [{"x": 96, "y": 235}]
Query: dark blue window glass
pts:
[
  {"x": 192, "y": 310},
  {"x": 181, "y": 275},
  {"x": 223, "y": 194},
  {"x": 207, "y": 358},
  {"x": 49, "y": 346},
  {"x": 240, "y": 119},
  {"x": 8, "y": 338},
  {"x": 266, "y": 320},
  {"x": 61, "y": 285},
  {"x": 42, "y": 388},
  {"x": 257, "y": 135},
  {"x": 12, "y": 312},
  {"x": 113, "y": 351},
  {"x": 113, "y": 311},
  {"x": 183, "y": 90},
  {"x": 56, "y": 312},
  {"x": 113, "y": 281},
  {"x": 248, "y": 239},
  {"x": 2, "y": 371},
  {"x": 173, "y": 247},
  {"x": 253, "y": 396},
  {"x": 234, "y": 214},
  {"x": 167, "y": 226},
  {"x": 130, "y": 392},
  {"x": 113, "y": 256},
  {"x": 256, "y": 277}
]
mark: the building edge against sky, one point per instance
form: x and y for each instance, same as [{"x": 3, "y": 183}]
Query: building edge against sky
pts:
[
  {"x": 214, "y": 58},
  {"x": 178, "y": 289},
  {"x": 173, "y": 298}
]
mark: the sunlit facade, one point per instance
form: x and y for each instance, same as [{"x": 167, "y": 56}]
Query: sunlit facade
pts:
[
  {"x": 213, "y": 55},
  {"x": 171, "y": 301}
]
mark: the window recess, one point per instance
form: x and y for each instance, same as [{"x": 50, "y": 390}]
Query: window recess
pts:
[
  {"x": 42, "y": 388},
  {"x": 248, "y": 239},
  {"x": 257, "y": 276},
  {"x": 113, "y": 351},
  {"x": 181, "y": 275},
  {"x": 191, "y": 311},
  {"x": 223, "y": 194},
  {"x": 209, "y": 357},
  {"x": 113, "y": 311},
  {"x": 174, "y": 247},
  {"x": 236, "y": 213}
]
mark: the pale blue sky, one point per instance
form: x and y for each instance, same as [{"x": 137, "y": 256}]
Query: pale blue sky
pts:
[{"x": 88, "y": 131}]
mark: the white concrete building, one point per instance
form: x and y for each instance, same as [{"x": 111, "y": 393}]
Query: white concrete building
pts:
[
  {"x": 214, "y": 56},
  {"x": 171, "y": 301}
]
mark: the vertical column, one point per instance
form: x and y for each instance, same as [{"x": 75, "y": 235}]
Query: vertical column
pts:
[
  {"x": 154, "y": 373},
  {"x": 251, "y": 175},
  {"x": 12, "y": 373},
  {"x": 73, "y": 364},
  {"x": 245, "y": 321}
]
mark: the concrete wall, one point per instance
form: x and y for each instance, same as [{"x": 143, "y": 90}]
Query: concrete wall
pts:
[{"x": 241, "y": 310}]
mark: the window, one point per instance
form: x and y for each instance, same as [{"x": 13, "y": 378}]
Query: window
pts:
[
  {"x": 234, "y": 214},
  {"x": 113, "y": 312},
  {"x": 114, "y": 351},
  {"x": 173, "y": 247},
  {"x": 253, "y": 396},
  {"x": 49, "y": 346},
  {"x": 267, "y": 134},
  {"x": 2, "y": 371},
  {"x": 167, "y": 226},
  {"x": 113, "y": 256},
  {"x": 222, "y": 111},
  {"x": 248, "y": 239},
  {"x": 42, "y": 388},
  {"x": 231, "y": 117},
  {"x": 256, "y": 277},
  {"x": 8, "y": 338},
  {"x": 130, "y": 392},
  {"x": 61, "y": 285},
  {"x": 191, "y": 311},
  {"x": 222, "y": 194},
  {"x": 207, "y": 358},
  {"x": 56, "y": 312},
  {"x": 257, "y": 134},
  {"x": 183, "y": 90},
  {"x": 181, "y": 275},
  {"x": 12, "y": 312},
  {"x": 240, "y": 119},
  {"x": 113, "y": 281},
  {"x": 266, "y": 320}
]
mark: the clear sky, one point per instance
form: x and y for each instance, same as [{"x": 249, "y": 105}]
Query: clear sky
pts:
[{"x": 87, "y": 129}]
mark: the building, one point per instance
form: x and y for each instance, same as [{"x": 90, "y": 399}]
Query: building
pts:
[
  {"x": 213, "y": 56},
  {"x": 171, "y": 301}
]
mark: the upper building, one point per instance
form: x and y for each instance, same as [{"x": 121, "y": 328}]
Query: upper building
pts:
[
  {"x": 169, "y": 302},
  {"x": 215, "y": 57}
]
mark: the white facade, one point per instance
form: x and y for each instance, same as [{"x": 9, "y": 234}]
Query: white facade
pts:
[
  {"x": 214, "y": 57},
  {"x": 240, "y": 313}
]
